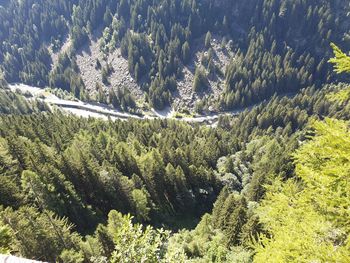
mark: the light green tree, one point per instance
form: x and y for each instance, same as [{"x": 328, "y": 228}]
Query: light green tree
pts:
[
  {"x": 307, "y": 217},
  {"x": 340, "y": 60},
  {"x": 141, "y": 204},
  {"x": 5, "y": 240},
  {"x": 133, "y": 243},
  {"x": 341, "y": 64}
]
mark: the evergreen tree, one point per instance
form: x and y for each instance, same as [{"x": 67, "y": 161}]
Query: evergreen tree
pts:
[
  {"x": 186, "y": 53},
  {"x": 201, "y": 82},
  {"x": 207, "y": 41}
]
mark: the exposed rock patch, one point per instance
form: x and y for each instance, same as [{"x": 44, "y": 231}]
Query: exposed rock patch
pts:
[
  {"x": 120, "y": 76},
  {"x": 221, "y": 57},
  {"x": 55, "y": 55}
]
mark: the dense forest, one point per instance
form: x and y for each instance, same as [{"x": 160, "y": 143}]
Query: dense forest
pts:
[
  {"x": 279, "y": 46},
  {"x": 268, "y": 184},
  {"x": 87, "y": 190}
]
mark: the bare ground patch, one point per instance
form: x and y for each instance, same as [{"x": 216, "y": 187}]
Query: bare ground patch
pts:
[
  {"x": 185, "y": 97},
  {"x": 55, "y": 55},
  {"x": 119, "y": 78}
]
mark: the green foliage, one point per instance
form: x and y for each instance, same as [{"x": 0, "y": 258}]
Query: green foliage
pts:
[
  {"x": 24, "y": 55},
  {"x": 271, "y": 45},
  {"x": 132, "y": 243},
  {"x": 38, "y": 235},
  {"x": 121, "y": 99},
  {"x": 16, "y": 103},
  {"x": 270, "y": 141},
  {"x": 101, "y": 95},
  {"x": 140, "y": 198},
  {"x": 82, "y": 169},
  {"x": 66, "y": 76},
  {"x": 120, "y": 241},
  {"x": 311, "y": 208},
  {"x": 201, "y": 82},
  {"x": 5, "y": 239},
  {"x": 186, "y": 52},
  {"x": 205, "y": 244},
  {"x": 341, "y": 61},
  {"x": 314, "y": 210},
  {"x": 57, "y": 169},
  {"x": 342, "y": 65},
  {"x": 340, "y": 96},
  {"x": 160, "y": 171},
  {"x": 207, "y": 41}
]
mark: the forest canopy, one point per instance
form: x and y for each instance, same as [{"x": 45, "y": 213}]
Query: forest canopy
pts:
[
  {"x": 277, "y": 46},
  {"x": 269, "y": 183}
]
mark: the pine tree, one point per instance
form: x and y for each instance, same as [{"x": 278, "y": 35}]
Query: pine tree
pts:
[
  {"x": 185, "y": 52},
  {"x": 207, "y": 42},
  {"x": 201, "y": 82}
]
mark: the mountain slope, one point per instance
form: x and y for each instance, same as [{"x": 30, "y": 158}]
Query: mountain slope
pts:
[{"x": 271, "y": 46}]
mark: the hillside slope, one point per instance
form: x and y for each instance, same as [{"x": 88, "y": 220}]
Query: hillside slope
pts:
[{"x": 155, "y": 50}]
